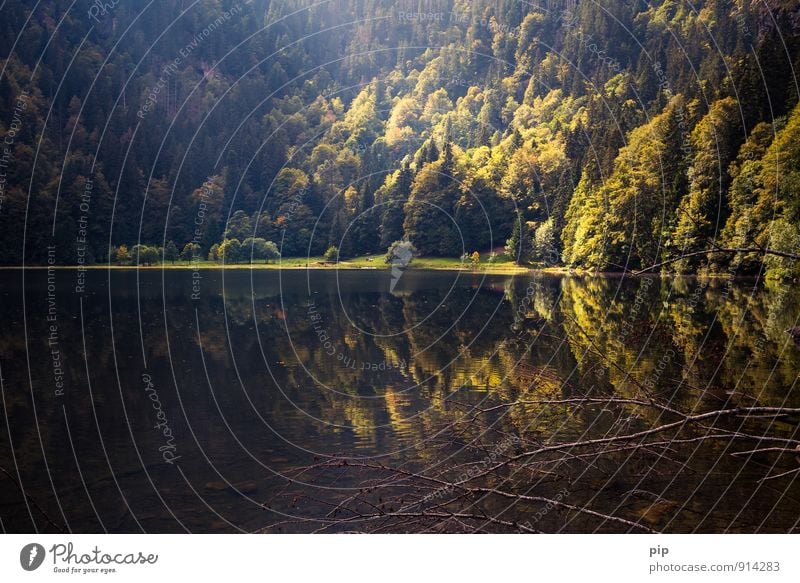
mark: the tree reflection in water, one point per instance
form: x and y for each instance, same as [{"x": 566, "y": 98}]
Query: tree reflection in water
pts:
[{"x": 452, "y": 403}]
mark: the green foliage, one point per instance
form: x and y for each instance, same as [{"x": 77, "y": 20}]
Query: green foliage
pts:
[
  {"x": 271, "y": 252},
  {"x": 255, "y": 248},
  {"x": 230, "y": 251},
  {"x": 145, "y": 255},
  {"x": 389, "y": 200},
  {"x": 519, "y": 246},
  {"x": 618, "y": 223},
  {"x": 430, "y": 211},
  {"x": 545, "y": 243},
  {"x": 331, "y": 254},
  {"x": 191, "y": 251},
  {"x": 784, "y": 236},
  {"x": 612, "y": 163},
  {"x": 701, "y": 212},
  {"x": 239, "y": 226},
  {"x": 171, "y": 252},
  {"x": 777, "y": 188},
  {"x": 482, "y": 215},
  {"x": 764, "y": 195}
]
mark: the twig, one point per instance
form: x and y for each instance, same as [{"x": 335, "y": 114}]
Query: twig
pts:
[{"x": 718, "y": 250}]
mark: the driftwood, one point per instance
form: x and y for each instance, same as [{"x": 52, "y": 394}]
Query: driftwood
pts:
[
  {"x": 32, "y": 501},
  {"x": 538, "y": 483},
  {"x": 476, "y": 496},
  {"x": 718, "y": 250}
]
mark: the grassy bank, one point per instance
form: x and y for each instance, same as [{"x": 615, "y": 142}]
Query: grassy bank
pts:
[{"x": 501, "y": 265}]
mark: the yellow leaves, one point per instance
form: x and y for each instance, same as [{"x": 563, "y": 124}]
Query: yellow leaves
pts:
[
  {"x": 544, "y": 107},
  {"x": 552, "y": 155},
  {"x": 337, "y": 106},
  {"x": 398, "y": 136},
  {"x": 487, "y": 164},
  {"x": 429, "y": 78},
  {"x": 766, "y": 186},
  {"x": 404, "y": 114},
  {"x": 291, "y": 179},
  {"x": 436, "y": 106},
  {"x": 362, "y": 110},
  {"x": 351, "y": 199},
  {"x": 617, "y": 86},
  {"x": 524, "y": 118}
]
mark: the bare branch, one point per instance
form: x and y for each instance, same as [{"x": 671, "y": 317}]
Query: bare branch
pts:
[{"x": 718, "y": 250}]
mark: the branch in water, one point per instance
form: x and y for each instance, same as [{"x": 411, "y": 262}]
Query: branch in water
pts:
[{"x": 719, "y": 250}]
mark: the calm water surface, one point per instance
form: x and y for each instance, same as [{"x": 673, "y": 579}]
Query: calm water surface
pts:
[{"x": 155, "y": 401}]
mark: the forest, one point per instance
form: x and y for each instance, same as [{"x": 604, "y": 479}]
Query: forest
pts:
[{"x": 602, "y": 136}]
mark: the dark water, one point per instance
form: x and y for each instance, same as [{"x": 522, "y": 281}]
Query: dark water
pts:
[{"x": 155, "y": 402}]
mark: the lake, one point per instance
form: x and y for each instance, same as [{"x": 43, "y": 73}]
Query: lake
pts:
[{"x": 298, "y": 401}]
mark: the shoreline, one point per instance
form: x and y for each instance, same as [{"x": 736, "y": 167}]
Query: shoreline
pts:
[
  {"x": 493, "y": 270},
  {"x": 509, "y": 270}
]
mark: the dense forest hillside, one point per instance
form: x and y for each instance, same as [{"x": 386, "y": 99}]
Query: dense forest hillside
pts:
[{"x": 604, "y": 135}]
